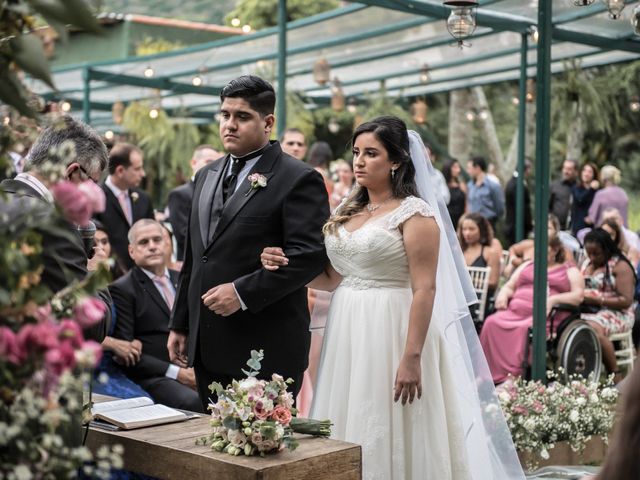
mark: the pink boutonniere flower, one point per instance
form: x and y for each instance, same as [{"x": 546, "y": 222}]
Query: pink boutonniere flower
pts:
[
  {"x": 257, "y": 181},
  {"x": 134, "y": 196}
]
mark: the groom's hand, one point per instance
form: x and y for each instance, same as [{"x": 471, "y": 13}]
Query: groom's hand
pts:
[{"x": 222, "y": 299}]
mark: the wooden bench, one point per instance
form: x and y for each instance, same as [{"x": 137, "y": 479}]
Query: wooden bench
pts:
[{"x": 170, "y": 452}]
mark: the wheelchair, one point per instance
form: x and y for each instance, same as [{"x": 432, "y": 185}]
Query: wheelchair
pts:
[{"x": 571, "y": 344}]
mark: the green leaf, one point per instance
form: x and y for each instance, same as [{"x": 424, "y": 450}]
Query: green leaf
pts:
[
  {"x": 254, "y": 364},
  {"x": 216, "y": 388},
  {"x": 28, "y": 53},
  {"x": 232, "y": 423},
  {"x": 76, "y": 12},
  {"x": 12, "y": 93}
]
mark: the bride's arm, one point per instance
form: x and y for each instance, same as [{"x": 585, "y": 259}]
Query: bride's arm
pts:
[
  {"x": 422, "y": 242},
  {"x": 273, "y": 258}
]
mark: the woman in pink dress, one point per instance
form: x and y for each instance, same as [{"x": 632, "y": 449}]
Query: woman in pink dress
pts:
[{"x": 504, "y": 334}]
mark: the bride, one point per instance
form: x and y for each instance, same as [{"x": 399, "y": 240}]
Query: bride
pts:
[{"x": 402, "y": 372}]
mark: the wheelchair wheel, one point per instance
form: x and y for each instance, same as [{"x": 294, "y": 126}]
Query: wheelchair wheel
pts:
[{"x": 579, "y": 351}]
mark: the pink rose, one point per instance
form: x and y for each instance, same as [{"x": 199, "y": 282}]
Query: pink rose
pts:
[
  {"x": 74, "y": 203},
  {"x": 89, "y": 311},
  {"x": 60, "y": 359},
  {"x": 90, "y": 354},
  {"x": 43, "y": 313},
  {"x": 94, "y": 195},
  {"x": 521, "y": 410},
  {"x": 9, "y": 347},
  {"x": 70, "y": 330},
  {"x": 259, "y": 411},
  {"x": 38, "y": 337},
  {"x": 282, "y": 415}
]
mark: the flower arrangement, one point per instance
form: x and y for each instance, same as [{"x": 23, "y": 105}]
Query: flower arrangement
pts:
[
  {"x": 45, "y": 361},
  {"x": 255, "y": 417},
  {"x": 539, "y": 416}
]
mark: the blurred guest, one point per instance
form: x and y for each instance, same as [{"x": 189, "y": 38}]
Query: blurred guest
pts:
[
  {"x": 614, "y": 229},
  {"x": 64, "y": 256},
  {"x": 294, "y": 143},
  {"x": 609, "y": 288},
  {"x": 504, "y": 333},
  {"x": 523, "y": 251},
  {"x": 560, "y": 192},
  {"x": 457, "y": 190},
  {"x": 485, "y": 196},
  {"x": 476, "y": 237},
  {"x": 143, "y": 300},
  {"x": 179, "y": 200},
  {"x": 583, "y": 193},
  {"x": 344, "y": 184},
  {"x": 510, "y": 193},
  {"x": 320, "y": 156},
  {"x": 102, "y": 240},
  {"x": 630, "y": 236},
  {"x": 621, "y": 462},
  {"x": 126, "y": 204},
  {"x": 611, "y": 195}
]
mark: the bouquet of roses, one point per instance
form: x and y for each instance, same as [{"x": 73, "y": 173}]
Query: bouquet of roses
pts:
[{"x": 254, "y": 417}]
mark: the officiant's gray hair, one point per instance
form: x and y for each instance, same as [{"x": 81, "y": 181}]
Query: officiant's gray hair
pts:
[{"x": 258, "y": 93}]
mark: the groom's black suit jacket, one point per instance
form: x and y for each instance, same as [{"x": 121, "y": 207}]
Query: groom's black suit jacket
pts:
[{"x": 288, "y": 212}]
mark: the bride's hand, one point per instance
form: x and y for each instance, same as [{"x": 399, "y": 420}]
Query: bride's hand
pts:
[
  {"x": 273, "y": 258},
  {"x": 408, "y": 380}
]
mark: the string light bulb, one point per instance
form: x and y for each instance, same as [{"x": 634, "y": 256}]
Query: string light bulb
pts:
[
  {"x": 235, "y": 22},
  {"x": 153, "y": 113},
  {"x": 148, "y": 72},
  {"x": 246, "y": 28},
  {"x": 196, "y": 81},
  {"x": 65, "y": 106},
  {"x": 109, "y": 135}
]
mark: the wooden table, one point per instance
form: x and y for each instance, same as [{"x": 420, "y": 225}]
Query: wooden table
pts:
[{"x": 170, "y": 452}]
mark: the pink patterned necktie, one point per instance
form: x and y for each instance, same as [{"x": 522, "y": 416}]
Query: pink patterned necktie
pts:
[
  {"x": 167, "y": 292},
  {"x": 124, "y": 204}
]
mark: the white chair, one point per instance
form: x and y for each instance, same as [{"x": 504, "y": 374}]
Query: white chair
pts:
[
  {"x": 480, "y": 280},
  {"x": 625, "y": 352}
]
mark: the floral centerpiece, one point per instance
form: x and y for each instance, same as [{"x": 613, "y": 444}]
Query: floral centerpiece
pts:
[
  {"x": 255, "y": 417},
  {"x": 45, "y": 361},
  {"x": 539, "y": 416}
]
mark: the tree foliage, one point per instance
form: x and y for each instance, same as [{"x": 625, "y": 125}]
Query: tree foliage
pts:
[{"x": 264, "y": 13}]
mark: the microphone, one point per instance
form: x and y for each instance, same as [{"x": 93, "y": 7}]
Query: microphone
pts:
[{"x": 87, "y": 234}]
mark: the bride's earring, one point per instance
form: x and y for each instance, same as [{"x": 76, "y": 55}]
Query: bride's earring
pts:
[{"x": 393, "y": 173}]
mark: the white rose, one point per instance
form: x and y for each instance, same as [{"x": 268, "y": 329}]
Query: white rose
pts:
[
  {"x": 594, "y": 398},
  {"x": 529, "y": 424},
  {"x": 574, "y": 416},
  {"x": 544, "y": 454},
  {"x": 581, "y": 401}
]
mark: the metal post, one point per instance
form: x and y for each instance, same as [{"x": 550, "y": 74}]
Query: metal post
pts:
[
  {"x": 543, "y": 119},
  {"x": 281, "y": 110},
  {"x": 86, "y": 99},
  {"x": 522, "y": 131}
]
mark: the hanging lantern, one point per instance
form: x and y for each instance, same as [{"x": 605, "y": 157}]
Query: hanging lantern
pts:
[
  {"x": 425, "y": 74},
  {"x": 582, "y": 3},
  {"x": 462, "y": 21},
  {"x": 635, "y": 20},
  {"x": 333, "y": 126},
  {"x": 117, "y": 111},
  {"x": 531, "y": 91},
  {"x": 534, "y": 34},
  {"x": 352, "y": 105},
  {"x": 321, "y": 71},
  {"x": 419, "y": 110},
  {"x": 634, "y": 104},
  {"x": 337, "y": 96},
  {"x": 615, "y": 7}
]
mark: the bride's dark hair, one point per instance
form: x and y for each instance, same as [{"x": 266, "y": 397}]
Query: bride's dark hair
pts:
[{"x": 392, "y": 133}]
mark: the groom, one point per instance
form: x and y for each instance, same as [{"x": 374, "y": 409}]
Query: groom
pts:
[{"x": 256, "y": 196}]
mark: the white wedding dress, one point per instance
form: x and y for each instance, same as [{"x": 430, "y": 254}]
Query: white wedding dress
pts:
[{"x": 364, "y": 342}]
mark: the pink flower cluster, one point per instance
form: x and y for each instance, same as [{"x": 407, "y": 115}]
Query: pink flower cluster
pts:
[
  {"x": 79, "y": 201},
  {"x": 54, "y": 344}
]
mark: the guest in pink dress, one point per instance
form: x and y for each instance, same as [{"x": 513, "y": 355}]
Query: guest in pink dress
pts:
[{"x": 504, "y": 334}]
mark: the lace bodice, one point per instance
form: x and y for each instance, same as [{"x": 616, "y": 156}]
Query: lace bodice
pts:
[{"x": 373, "y": 256}]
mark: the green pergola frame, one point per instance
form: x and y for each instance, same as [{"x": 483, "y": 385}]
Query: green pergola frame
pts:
[{"x": 491, "y": 20}]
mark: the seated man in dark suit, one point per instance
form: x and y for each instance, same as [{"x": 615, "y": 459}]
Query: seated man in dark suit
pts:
[
  {"x": 179, "y": 200},
  {"x": 143, "y": 300}
]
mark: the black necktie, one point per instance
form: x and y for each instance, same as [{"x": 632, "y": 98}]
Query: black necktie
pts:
[{"x": 230, "y": 181}]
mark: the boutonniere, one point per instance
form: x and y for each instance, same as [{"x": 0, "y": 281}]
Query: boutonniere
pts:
[
  {"x": 257, "y": 181},
  {"x": 134, "y": 196}
]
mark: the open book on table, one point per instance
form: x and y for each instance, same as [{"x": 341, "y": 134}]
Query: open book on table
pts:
[{"x": 136, "y": 412}]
